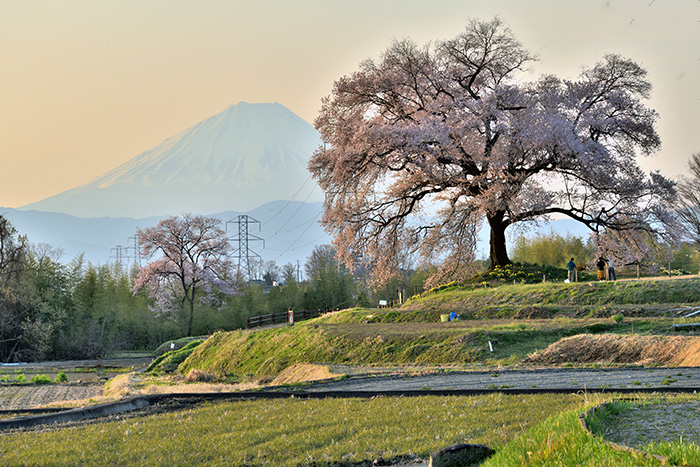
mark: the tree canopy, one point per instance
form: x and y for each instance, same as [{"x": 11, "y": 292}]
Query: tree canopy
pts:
[
  {"x": 190, "y": 255},
  {"x": 425, "y": 143}
]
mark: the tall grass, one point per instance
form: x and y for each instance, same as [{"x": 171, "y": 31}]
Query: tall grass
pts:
[{"x": 288, "y": 432}]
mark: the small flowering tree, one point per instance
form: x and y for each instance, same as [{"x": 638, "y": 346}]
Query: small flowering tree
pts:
[
  {"x": 424, "y": 144},
  {"x": 190, "y": 257}
]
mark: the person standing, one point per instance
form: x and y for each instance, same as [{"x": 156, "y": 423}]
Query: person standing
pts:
[
  {"x": 601, "y": 268},
  {"x": 571, "y": 267},
  {"x": 611, "y": 270}
]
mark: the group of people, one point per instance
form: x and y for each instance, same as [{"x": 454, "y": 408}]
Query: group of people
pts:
[{"x": 602, "y": 264}]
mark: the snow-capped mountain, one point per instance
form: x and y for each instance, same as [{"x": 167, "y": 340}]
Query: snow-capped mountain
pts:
[{"x": 239, "y": 159}]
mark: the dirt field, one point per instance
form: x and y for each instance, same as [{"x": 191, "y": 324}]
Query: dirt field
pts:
[
  {"x": 35, "y": 396},
  {"x": 90, "y": 373}
]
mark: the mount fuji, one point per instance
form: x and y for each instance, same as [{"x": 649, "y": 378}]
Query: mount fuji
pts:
[{"x": 239, "y": 159}]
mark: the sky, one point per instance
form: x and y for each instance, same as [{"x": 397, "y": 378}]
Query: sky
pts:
[{"x": 86, "y": 85}]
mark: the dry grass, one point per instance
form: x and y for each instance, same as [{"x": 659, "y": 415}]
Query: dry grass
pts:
[
  {"x": 135, "y": 385},
  {"x": 613, "y": 348},
  {"x": 303, "y": 372}
]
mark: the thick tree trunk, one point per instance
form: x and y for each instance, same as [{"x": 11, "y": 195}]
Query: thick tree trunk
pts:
[{"x": 499, "y": 253}]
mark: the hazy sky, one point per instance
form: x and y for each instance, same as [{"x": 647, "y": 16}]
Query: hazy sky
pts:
[{"x": 86, "y": 85}]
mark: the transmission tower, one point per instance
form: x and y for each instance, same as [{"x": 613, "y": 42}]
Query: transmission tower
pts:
[
  {"x": 134, "y": 247},
  {"x": 117, "y": 254},
  {"x": 244, "y": 238}
]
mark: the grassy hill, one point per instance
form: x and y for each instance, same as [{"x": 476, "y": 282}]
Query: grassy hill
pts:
[{"x": 518, "y": 320}]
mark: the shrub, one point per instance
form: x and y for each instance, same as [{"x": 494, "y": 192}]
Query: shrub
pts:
[
  {"x": 41, "y": 379},
  {"x": 60, "y": 378},
  {"x": 20, "y": 378}
]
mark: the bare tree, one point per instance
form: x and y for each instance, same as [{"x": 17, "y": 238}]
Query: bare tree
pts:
[
  {"x": 689, "y": 198},
  {"x": 289, "y": 272},
  {"x": 13, "y": 251}
]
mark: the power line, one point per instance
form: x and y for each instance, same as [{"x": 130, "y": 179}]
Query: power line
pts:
[
  {"x": 291, "y": 199},
  {"x": 298, "y": 238},
  {"x": 294, "y": 214}
]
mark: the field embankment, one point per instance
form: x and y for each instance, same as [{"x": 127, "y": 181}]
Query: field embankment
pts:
[{"x": 499, "y": 326}]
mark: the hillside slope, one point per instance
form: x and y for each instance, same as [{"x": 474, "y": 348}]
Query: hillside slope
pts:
[{"x": 411, "y": 336}]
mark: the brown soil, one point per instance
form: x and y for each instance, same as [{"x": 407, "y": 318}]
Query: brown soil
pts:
[
  {"x": 35, "y": 396},
  {"x": 613, "y": 348}
]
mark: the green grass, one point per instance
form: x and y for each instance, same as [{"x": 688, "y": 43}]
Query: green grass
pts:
[
  {"x": 289, "y": 432},
  {"x": 169, "y": 361},
  {"x": 529, "y": 430},
  {"x": 664, "y": 437},
  {"x": 560, "y": 441},
  {"x": 484, "y": 302},
  {"x": 414, "y": 334},
  {"x": 263, "y": 354}
]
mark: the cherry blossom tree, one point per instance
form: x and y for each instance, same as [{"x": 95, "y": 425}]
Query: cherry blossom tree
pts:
[
  {"x": 427, "y": 142},
  {"x": 190, "y": 256}
]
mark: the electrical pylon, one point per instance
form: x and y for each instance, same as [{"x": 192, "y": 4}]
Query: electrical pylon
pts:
[{"x": 243, "y": 238}]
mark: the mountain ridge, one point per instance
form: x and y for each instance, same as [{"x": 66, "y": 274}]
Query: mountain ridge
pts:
[
  {"x": 238, "y": 159},
  {"x": 289, "y": 228}
]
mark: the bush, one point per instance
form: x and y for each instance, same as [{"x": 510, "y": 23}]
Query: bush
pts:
[
  {"x": 60, "y": 378},
  {"x": 41, "y": 379},
  {"x": 20, "y": 378}
]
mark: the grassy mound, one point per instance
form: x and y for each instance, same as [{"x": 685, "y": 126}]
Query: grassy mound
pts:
[
  {"x": 169, "y": 361},
  {"x": 471, "y": 301},
  {"x": 264, "y": 354}
]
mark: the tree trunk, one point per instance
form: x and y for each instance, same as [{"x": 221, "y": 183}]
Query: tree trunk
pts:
[
  {"x": 499, "y": 254},
  {"x": 191, "y": 318}
]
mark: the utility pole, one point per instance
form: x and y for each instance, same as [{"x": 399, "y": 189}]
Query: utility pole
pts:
[{"x": 244, "y": 238}]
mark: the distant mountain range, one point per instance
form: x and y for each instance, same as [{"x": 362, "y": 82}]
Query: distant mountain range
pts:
[
  {"x": 290, "y": 231},
  {"x": 239, "y": 159}
]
